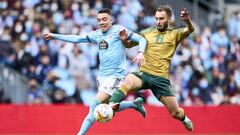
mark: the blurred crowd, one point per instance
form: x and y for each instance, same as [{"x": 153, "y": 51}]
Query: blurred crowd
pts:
[{"x": 205, "y": 69}]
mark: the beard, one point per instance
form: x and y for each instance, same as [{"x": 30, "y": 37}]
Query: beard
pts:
[{"x": 163, "y": 27}]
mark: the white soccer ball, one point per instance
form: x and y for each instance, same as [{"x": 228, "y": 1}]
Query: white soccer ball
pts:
[{"x": 103, "y": 113}]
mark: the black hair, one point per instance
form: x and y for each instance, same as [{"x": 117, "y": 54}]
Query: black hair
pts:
[{"x": 105, "y": 10}]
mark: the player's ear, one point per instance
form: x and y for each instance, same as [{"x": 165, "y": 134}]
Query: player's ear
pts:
[
  {"x": 169, "y": 19},
  {"x": 111, "y": 19},
  {"x": 171, "y": 22}
]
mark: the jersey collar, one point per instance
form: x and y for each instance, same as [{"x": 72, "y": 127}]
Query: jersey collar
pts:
[
  {"x": 105, "y": 32},
  {"x": 159, "y": 32}
]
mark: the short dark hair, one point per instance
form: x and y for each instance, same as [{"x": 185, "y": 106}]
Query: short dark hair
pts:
[
  {"x": 105, "y": 10},
  {"x": 167, "y": 9}
]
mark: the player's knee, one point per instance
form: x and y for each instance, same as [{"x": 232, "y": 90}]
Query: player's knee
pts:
[
  {"x": 127, "y": 85},
  {"x": 129, "y": 81}
]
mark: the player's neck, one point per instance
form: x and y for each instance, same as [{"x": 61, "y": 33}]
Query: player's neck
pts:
[
  {"x": 162, "y": 30},
  {"x": 107, "y": 29}
]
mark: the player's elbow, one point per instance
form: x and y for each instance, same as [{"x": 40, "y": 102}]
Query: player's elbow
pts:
[
  {"x": 191, "y": 29},
  {"x": 188, "y": 31},
  {"x": 143, "y": 41}
]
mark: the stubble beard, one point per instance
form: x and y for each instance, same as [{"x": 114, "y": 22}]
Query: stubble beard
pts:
[{"x": 163, "y": 28}]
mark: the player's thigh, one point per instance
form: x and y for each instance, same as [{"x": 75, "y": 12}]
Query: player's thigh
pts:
[
  {"x": 106, "y": 87},
  {"x": 102, "y": 96},
  {"x": 170, "y": 103},
  {"x": 132, "y": 82}
]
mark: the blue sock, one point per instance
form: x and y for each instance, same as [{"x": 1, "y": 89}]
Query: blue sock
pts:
[
  {"x": 126, "y": 104},
  {"x": 89, "y": 119}
]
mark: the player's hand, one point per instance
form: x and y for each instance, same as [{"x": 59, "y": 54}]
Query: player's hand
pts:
[
  {"x": 185, "y": 14},
  {"x": 139, "y": 59},
  {"x": 48, "y": 36},
  {"x": 123, "y": 35}
]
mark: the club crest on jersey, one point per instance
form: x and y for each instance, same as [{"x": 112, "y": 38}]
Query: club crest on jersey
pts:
[
  {"x": 159, "y": 39},
  {"x": 103, "y": 45}
]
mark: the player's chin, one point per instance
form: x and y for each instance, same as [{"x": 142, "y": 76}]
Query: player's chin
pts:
[
  {"x": 104, "y": 29},
  {"x": 160, "y": 28}
]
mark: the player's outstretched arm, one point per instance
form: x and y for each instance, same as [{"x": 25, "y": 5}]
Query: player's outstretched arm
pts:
[
  {"x": 185, "y": 16},
  {"x": 131, "y": 41},
  {"x": 141, "y": 41},
  {"x": 48, "y": 36},
  {"x": 124, "y": 38},
  {"x": 139, "y": 59},
  {"x": 67, "y": 38}
]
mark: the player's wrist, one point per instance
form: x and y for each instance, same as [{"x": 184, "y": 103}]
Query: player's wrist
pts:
[
  {"x": 187, "y": 21},
  {"x": 125, "y": 40},
  {"x": 141, "y": 49},
  {"x": 53, "y": 35},
  {"x": 189, "y": 25}
]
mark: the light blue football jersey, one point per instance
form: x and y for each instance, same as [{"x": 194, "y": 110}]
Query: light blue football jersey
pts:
[{"x": 112, "y": 55}]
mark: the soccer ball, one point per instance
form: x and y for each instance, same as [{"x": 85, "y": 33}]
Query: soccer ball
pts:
[{"x": 103, "y": 113}]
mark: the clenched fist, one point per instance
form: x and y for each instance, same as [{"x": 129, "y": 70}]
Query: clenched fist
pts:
[{"x": 48, "y": 36}]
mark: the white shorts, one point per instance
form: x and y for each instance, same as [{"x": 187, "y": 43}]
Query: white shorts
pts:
[{"x": 108, "y": 84}]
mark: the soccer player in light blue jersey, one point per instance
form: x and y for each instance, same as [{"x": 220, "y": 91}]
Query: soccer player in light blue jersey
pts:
[{"x": 112, "y": 57}]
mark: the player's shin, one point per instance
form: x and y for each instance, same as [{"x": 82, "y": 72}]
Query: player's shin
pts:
[
  {"x": 89, "y": 119},
  {"x": 126, "y": 104},
  {"x": 137, "y": 104},
  {"x": 118, "y": 95},
  {"x": 116, "y": 98}
]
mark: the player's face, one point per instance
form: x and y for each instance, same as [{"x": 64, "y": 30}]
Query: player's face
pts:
[
  {"x": 161, "y": 20},
  {"x": 104, "y": 21}
]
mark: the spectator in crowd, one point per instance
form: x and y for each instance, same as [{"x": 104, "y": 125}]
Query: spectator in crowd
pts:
[
  {"x": 79, "y": 68},
  {"x": 35, "y": 94},
  {"x": 43, "y": 68},
  {"x": 3, "y": 98},
  {"x": 234, "y": 24}
]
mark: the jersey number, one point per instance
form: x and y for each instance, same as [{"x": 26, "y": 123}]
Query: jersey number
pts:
[{"x": 159, "y": 39}]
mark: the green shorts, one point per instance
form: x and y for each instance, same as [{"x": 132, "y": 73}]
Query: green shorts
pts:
[{"x": 159, "y": 86}]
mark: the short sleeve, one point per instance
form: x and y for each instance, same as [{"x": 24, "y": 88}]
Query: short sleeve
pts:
[{"x": 180, "y": 35}]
